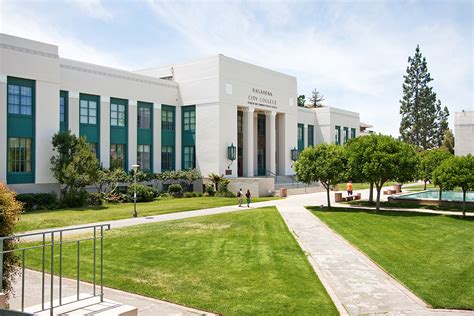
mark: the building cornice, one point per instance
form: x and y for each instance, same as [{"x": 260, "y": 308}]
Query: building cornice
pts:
[{"x": 28, "y": 51}]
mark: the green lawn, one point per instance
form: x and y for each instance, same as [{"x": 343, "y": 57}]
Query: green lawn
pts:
[
  {"x": 433, "y": 255},
  {"x": 452, "y": 208},
  {"x": 241, "y": 263},
  {"x": 75, "y": 216}
]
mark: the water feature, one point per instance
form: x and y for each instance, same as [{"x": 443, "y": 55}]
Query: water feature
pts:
[{"x": 434, "y": 195}]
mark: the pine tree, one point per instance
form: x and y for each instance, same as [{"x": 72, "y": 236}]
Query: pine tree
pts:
[
  {"x": 423, "y": 121},
  {"x": 316, "y": 99}
]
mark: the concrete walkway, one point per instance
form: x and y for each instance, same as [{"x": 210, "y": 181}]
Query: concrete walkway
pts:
[{"x": 146, "y": 306}]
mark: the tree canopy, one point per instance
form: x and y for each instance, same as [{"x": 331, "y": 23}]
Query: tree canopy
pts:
[
  {"x": 424, "y": 121},
  {"x": 448, "y": 141},
  {"x": 325, "y": 163},
  {"x": 429, "y": 160},
  {"x": 316, "y": 99},
  {"x": 301, "y": 100},
  {"x": 380, "y": 158}
]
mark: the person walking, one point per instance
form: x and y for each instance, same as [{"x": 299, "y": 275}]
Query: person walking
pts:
[
  {"x": 248, "y": 195},
  {"x": 349, "y": 188},
  {"x": 240, "y": 196}
]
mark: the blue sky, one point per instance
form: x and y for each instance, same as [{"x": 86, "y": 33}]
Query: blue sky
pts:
[{"x": 354, "y": 53}]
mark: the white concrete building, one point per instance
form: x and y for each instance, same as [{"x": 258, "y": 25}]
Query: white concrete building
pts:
[
  {"x": 181, "y": 116},
  {"x": 464, "y": 133}
]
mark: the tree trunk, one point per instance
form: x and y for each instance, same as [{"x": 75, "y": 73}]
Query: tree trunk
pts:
[
  {"x": 371, "y": 192},
  {"x": 377, "y": 205},
  {"x": 329, "y": 198},
  {"x": 463, "y": 203},
  {"x": 440, "y": 195},
  {"x": 424, "y": 188}
]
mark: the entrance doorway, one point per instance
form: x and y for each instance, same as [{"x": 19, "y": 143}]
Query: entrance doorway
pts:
[{"x": 261, "y": 145}]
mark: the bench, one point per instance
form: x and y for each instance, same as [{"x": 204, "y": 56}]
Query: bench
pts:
[{"x": 339, "y": 198}]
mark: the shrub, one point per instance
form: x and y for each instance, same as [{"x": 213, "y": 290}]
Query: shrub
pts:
[
  {"x": 144, "y": 193},
  {"x": 198, "y": 194},
  {"x": 73, "y": 198},
  {"x": 94, "y": 199},
  {"x": 188, "y": 194},
  {"x": 205, "y": 194},
  {"x": 175, "y": 190},
  {"x": 225, "y": 194},
  {"x": 223, "y": 185},
  {"x": 38, "y": 201},
  {"x": 209, "y": 189},
  {"x": 10, "y": 210},
  {"x": 164, "y": 195}
]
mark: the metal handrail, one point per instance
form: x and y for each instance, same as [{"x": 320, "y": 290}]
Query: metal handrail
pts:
[{"x": 51, "y": 243}]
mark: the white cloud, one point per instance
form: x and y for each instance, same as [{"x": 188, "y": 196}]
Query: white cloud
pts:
[
  {"x": 342, "y": 48},
  {"x": 28, "y": 24},
  {"x": 94, "y": 9}
]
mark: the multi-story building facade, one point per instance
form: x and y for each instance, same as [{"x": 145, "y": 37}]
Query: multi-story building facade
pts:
[
  {"x": 177, "y": 117},
  {"x": 464, "y": 133}
]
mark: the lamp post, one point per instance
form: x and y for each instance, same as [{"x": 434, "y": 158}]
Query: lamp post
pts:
[{"x": 135, "y": 169}]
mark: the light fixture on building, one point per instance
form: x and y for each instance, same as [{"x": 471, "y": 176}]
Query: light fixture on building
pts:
[
  {"x": 135, "y": 170},
  {"x": 231, "y": 154},
  {"x": 295, "y": 154}
]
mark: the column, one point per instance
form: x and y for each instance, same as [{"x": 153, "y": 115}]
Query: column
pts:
[
  {"x": 271, "y": 142},
  {"x": 3, "y": 128},
  {"x": 73, "y": 112},
  {"x": 104, "y": 134},
  {"x": 156, "y": 138},
  {"x": 178, "y": 143},
  {"x": 305, "y": 135},
  {"x": 248, "y": 138},
  {"x": 132, "y": 133}
]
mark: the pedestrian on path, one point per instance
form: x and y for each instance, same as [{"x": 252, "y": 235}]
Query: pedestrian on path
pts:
[
  {"x": 240, "y": 197},
  {"x": 349, "y": 188},
  {"x": 247, "y": 195}
]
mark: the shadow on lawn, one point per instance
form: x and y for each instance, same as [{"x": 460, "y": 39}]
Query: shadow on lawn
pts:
[{"x": 385, "y": 213}]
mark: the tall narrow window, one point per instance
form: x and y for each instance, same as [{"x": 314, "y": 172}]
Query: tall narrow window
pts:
[
  {"x": 167, "y": 158},
  {"x": 19, "y": 155},
  {"x": 88, "y": 112},
  {"x": 346, "y": 135},
  {"x": 144, "y": 117},
  {"x": 20, "y": 99},
  {"x": 189, "y": 157},
  {"x": 300, "y": 137},
  {"x": 117, "y": 114},
  {"x": 167, "y": 120},
  {"x": 337, "y": 139},
  {"x": 143, "y": 157},
  {"x": 63, "y": 111},
  {"x": 189, "y": 120},
  {"x": 62, "y": 114},
  {"x": 310, "y": 135},
  {"x": 353, "y": 133},
  {"x": 117, "y": 156}
]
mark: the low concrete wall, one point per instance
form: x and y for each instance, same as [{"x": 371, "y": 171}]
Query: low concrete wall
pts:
[
  {"x": 35, "y": 188},
  {"x": 258, "y": 186}
]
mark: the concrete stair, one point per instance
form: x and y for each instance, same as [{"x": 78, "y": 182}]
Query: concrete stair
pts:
[{"x": 87, "y": 305}]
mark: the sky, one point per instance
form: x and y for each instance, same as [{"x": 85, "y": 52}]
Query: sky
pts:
[{"x": 354, "y": 52}]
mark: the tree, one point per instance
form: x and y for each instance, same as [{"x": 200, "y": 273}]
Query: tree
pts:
[
  {"x": 423, "y": 121},
  {"x": 74, "y": 165},
  {"x": 379, "y": 158},
  {"x": 215, "y": 179},
  {"x": 456, "y": 172},
  {"x": 10, "y": 210},
  {"x": 429, "y": 160},
  {"x": 316, "y": 99},
  {"x": 108, "y": 180},
  {"x": 448, "y": 141},
  {"x": 301, "y": 100},
  {"x": 325, "y": 163}
]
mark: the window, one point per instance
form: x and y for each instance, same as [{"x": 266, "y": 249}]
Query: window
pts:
[
  {"x": 353, "y": 133},
  {"x": 167, "y": 158},
  {"x": 346, "y": 135},
  {"x": 337, "y": 139},
  {"x": 167, "y": 120},
  {"x": 19, "y": 155},
  {"x": 189, "y": 120},
  {"x": 300, "y": 137},
  {"x": 117, "y": 114},
  {"x": 61, "y": 109},
  {"x": 188, "y": 157},
  {"x": 20, "y": 99},
  {"x": 144, "y": 117},
  {"x": 88, "y": 112},
  {"x": 117, "y": 156},
  {"x": 143, "y": 157},
  {"x": 310, "y": 135}
]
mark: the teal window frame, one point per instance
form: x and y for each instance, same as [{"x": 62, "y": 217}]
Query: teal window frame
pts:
[
  {"x": 119, "y": 129},
  {"x": 19, "y": 155},
  {"x": 353, "y": 133},
  {"x": 118, "y": 113},
  {"x": 63, "y": 111},
  {"x": 88, "y": 110},
  {"x": 91, "y": 132},
  {"x": 345, "y": 135},
  {"x": 118, "y": 156},
  {"x": 337, "y": 137},
  {"x": 188, "y": 137},
  {"x": 145, "y": 131},
  {"x": 300, "y": 137},
  {"x": 168, "y": 137},
  {"x": 189, "y": 120},
  {"x": 167, "y": 158},
  {"x": 144, "y": 116},
  {"x": 189, "y": 161},
  {"x": 167, "y": 119},
  {"x": 311, "y": 135},
  {"x": 21, "y": 126},
  {"x": 144, "y": 157}
]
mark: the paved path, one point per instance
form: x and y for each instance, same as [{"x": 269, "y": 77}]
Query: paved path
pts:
[{"x": 146, "y": 306}]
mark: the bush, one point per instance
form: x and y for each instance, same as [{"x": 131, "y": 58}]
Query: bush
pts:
[
  {"x": 225, "y": 194},
  {"x": 144, "y": 193},
  {"x": 164, "y": 195},
  {"x": 94, "y": 199},
  {"x": 188, "y": 194},
  {"x": 205, "y": 194},
  {"x": 73, "y": 198},
  {"x": 10, "y": 210},
  {"x": 175, "y": 190},
  {"x": 198, "y": 194},
  {"x": 38, "y": 201},
  {"x": 209, "y": 189},
  {"x": 223, "y": 185}
]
